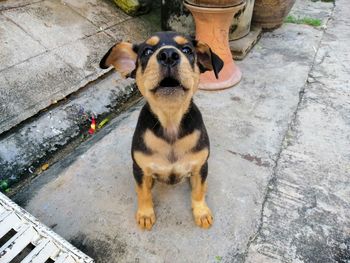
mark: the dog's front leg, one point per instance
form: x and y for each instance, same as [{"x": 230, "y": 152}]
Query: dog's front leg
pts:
[
  {"x": 145, "y": 216},
  {"x": 201, "y": 212}
]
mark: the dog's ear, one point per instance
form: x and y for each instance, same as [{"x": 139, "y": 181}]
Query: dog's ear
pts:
[
  {"x": 122, "y": 57},
  {"x": 207, "y": 59}
]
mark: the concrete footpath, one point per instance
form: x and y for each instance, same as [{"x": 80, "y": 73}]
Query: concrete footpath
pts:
[
  {"x": 279, "y": 184},
  {"x": 50, "y": 82},
  {"x": 50, "y": 49},
  {"x": 306, "y": 216}
]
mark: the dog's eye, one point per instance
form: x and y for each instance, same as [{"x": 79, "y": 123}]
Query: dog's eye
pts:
[
  {"x": 148, "y": 51},
  {"x": 187, "y": 50}
]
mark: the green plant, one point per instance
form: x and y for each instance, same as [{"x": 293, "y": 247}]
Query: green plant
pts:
[
  {"x": 4, "y": 184},
  {"x": 218, "y": 258},
  {"x": 305, "y": 20}
]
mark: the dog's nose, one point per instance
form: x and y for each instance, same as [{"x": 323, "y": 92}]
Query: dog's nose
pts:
[{"x": 168, "y": 57}]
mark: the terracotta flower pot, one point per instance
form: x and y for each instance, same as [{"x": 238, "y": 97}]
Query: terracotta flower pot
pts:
[
  {"x": 215, "y": 3},
  {"x": 269, "y": 14},
  {"x": 241, "y": 22},
  {"x": 212, "y": 27}
]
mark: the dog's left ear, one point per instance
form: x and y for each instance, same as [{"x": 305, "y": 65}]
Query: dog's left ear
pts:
[
  {"x": 207, "y": 59},
  {"x": 122, "y": 56}
]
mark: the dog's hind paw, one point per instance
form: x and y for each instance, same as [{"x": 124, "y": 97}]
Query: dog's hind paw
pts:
[
  {"x": 145, "y": 219},
  {"x": 203, "y": 216}
]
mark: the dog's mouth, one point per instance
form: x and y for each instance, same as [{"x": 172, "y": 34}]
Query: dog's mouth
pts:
[
  {"x": 169, "y": 82},
  {"x": 169, "y": 86}
]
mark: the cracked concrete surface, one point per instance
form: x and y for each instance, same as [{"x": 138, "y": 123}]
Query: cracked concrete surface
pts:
[
  {"x": 278, "y": 171},
  {"x": 306, "y": 216},
  {"x": 43, "y": 59},
  {"x": 23, "y": 153},
  {"x": 50, "y": 49}
]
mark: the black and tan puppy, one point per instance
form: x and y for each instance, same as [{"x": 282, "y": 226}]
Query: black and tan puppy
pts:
[{"x": 170, "y": 142}]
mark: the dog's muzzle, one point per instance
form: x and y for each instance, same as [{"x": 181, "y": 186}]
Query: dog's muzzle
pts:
[{"x": 168, "y": 57}]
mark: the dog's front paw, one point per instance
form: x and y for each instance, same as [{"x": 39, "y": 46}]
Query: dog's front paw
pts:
[
  {"x": 145, "y": 218},
  {"x": 203, "y": 216}
]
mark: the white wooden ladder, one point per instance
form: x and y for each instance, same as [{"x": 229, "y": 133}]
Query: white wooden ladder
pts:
[{"x": 25, "y": 232}]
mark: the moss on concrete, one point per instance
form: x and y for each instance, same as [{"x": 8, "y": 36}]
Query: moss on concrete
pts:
[
  {"x": 133, "y": 7},
  {"x": 305, "y": 20}
]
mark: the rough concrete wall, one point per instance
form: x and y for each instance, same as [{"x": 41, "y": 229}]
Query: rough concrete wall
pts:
[{"x": 176, "y": 17}]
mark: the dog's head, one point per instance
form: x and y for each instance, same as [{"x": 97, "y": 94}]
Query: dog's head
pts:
[{"x": 166, "y": 66}]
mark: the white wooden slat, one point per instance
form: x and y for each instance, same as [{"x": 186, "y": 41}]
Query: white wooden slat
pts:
[
  {"x": 30, "y": 230},
  {"x": 17, "y": 243},
  {"x": 65, "y": 258},
  {"x": 42, "y": 252},
  {"x": 61, "y": 258},
  {"x": 4, "y": 214},
  {"x": 9, "y": 221},
  {"x": 70, "y": 259},
  {"x": 2, "y": 209}
]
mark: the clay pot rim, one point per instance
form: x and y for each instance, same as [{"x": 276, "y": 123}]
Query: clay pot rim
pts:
[{"x": 213, "y": 9}]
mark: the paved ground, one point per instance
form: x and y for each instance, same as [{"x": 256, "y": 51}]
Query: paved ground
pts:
[
  {"x": 50, "y": 135},
  {"x": 278, "y": 172},
  {"x": 306, "y": 216},
  {"x": 32, "y": 50},
  {"x": 50, "y": 49}
]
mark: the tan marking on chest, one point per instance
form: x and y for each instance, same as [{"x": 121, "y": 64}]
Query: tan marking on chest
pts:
[
  {"x": 171, "y": 159},
  {"x": 179, "y": 147}
]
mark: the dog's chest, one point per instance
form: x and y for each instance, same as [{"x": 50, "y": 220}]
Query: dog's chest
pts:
[{"x": 166, "y": 159}]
